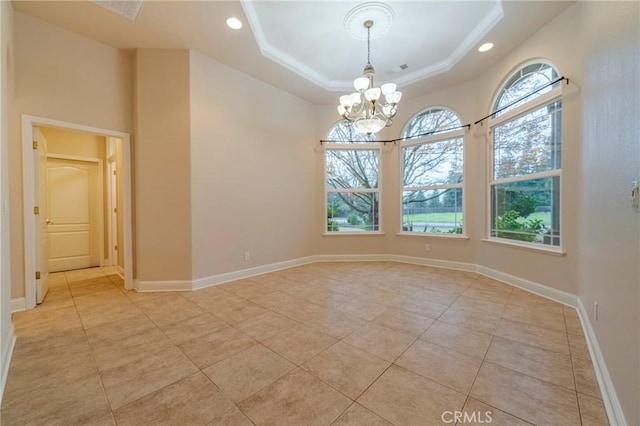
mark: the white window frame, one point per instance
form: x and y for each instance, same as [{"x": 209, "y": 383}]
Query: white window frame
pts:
[
  {"x": 349, "y": 146},
  {"x": 438, "y": 137},
  {"x": 540, "y": 101}
]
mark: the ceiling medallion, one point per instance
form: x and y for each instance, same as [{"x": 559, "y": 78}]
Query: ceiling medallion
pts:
[{"x": 380, "y": 13}]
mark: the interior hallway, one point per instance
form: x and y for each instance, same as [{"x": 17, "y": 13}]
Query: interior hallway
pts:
[{"x": 327, "y": 343}]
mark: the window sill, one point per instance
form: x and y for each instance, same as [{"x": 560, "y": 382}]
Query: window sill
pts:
[
  {"x": 353, "y": 234},
  {"x": 425, "y": 234},
  {"x": 558, "y": 251}
]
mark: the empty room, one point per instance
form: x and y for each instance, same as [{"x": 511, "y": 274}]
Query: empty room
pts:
[{"x": 326, "y": 212}]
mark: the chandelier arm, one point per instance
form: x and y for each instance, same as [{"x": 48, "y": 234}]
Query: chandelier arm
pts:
[{"x": 358, "y": 111}]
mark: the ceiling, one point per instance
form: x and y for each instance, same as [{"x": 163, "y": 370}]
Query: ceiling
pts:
[{"x": 303, "y": 47}]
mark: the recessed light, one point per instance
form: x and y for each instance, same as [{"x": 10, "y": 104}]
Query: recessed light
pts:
[
  {"x": 485, "y": 47},
  {"x": 234, "y": 23}
]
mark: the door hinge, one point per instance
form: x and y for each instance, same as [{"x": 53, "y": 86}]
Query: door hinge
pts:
[
  {"x": 36, "y": 210},
  {"x": 37, "y": 275},
  {"x": 115, "y": 210},
  {"x": 114, "y": 172},
  {"x": 115, "y": 248},
  {"x": 35, "y": 144}
]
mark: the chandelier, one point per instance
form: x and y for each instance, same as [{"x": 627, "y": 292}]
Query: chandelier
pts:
[{"x": 365, "y": 107}]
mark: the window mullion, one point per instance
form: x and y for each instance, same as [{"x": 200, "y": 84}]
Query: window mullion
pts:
[
  {"x": 433, "y": 187},
  {"x": 522, "y": 110},
  {"x": 532, "y": 176}
]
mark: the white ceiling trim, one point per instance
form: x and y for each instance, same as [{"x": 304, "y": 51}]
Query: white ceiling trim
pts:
[
  {"x": 278, "y": 56},
  {"x": 488, "y": 22}
]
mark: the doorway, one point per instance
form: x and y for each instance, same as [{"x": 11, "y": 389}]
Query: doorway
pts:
[
  {"x": 78, "y": 204},
  {"x": 75, "y": 212}
]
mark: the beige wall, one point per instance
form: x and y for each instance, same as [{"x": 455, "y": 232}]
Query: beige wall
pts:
[
  {"x": 252, "y": 160},
  {"x": 62, "y": 76},
  {"x": 609, "y": 248},
  {"x": 74, "y": 143},
  {"x": 162, "y": 165},
  {"x": 6, "y": 94}
]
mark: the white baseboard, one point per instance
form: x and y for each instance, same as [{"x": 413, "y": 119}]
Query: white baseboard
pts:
[
  {"x": 609, "y": 396},
  {"x": 7, "y": 353},
  {"x": 120, "y": 272},
  {"x": 250, "y": 272},
  {"x": 18, "y": 304},
  {"x": 436, "y": 263},
  {"x": 350, "y": 258},
  {"x": 172, "y": 285},
  {"x": 530, "y": 286},
  {"x": 186, "y": 285}
]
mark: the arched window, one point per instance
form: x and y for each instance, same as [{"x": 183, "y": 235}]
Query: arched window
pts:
[
  {"x": 344, "y": 132},
  {"x": 432, "y": 173},
  {"x": 352, "y": 176},
  {"x": 526, "y": 158},
  {"x": 523, "y": 82}
]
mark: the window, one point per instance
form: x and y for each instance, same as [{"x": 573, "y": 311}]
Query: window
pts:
[
  {"x": 352, "y": 174},
  {"x": 526, "y": 160},
  {"x": 432, "y": 173}
]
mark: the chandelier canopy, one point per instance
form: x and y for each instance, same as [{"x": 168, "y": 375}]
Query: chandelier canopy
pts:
[{"x": 366, "y": 107}]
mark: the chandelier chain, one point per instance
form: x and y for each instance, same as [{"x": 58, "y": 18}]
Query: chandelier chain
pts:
[{"x": 369, "y": 45}]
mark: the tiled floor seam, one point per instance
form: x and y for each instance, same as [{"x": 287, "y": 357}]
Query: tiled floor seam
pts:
[
  {"x": 392, "y": 364},
  {"x": 236, "y": 405},
  {"x": 93, "y": 357},
  {"x": 345, "y": 410},
  {"x": 573, "y": 370},
  {"x": 160, "y": 350},
  {"x": 259, "y": 390},
  {"x": 365, "y": 391}
]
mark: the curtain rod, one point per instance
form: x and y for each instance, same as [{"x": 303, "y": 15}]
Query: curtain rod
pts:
[
  {"x": 467, "y": 126},
  {"x": 523, "y": 97},
  {"x": 464, "y": 126}
]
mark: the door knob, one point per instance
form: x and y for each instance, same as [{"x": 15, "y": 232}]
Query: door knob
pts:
[{"x": 49, "y": 222}]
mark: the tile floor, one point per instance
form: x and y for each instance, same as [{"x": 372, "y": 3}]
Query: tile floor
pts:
[{"x": 329, "y": 343}]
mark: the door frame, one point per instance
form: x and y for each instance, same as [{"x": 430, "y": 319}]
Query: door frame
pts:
[
  {"x": 29, "y": 198},
  {"x": 100, "y": 225},
  {"x": 112, "y": 201}
]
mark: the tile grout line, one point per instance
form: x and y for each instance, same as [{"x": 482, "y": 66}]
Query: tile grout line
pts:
[
  {"x": 160, "y": 350},
  {"x": 93, "y": 357},
  {"x": 573, "y": 370},
  {"x": 535, "y": 378},
  {"x": 484, "y": 360}
]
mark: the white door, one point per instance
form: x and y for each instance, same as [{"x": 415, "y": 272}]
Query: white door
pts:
[
  {"x": 73, "y": 193},
  {"x": 42, "y": 233}
]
